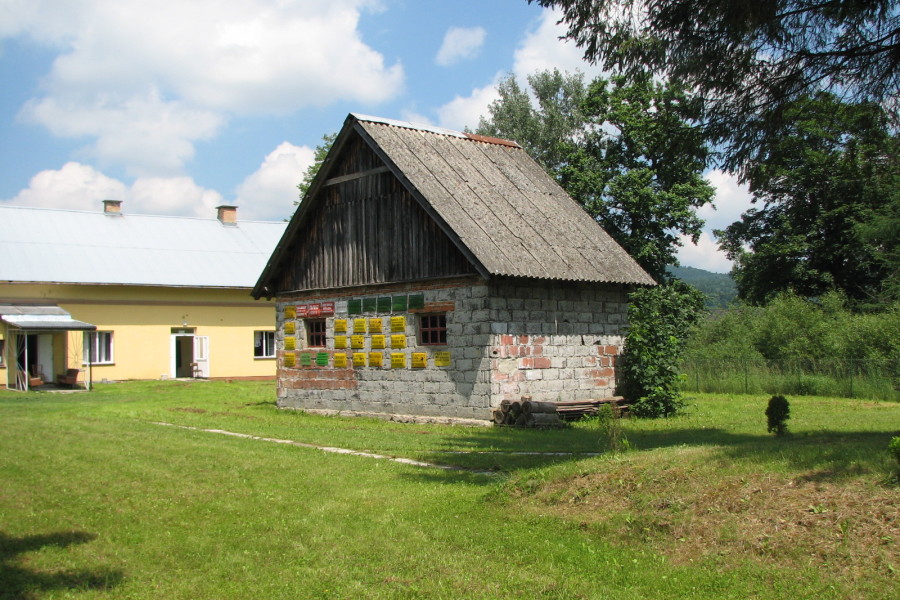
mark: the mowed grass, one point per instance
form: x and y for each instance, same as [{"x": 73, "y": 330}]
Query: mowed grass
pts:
[{"x": 97, "y": 500}]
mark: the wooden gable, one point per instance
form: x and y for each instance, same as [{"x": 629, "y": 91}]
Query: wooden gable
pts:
[{"x": 362, "y": 227}]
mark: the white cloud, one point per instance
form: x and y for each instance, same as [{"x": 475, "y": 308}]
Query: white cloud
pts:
[
  {"x": 177, "y": 196},
  {"x": 80, "y": 187},
  {"x": 189, "y": 66},
  {"x": 460, "y": 43},
  {"x": 465, "y": 111},
  {"x": 151, "y": 135},
  {"x": 270, "y": 192},
  {"x": 731, "y": 200},
  {"x": 542, "y": 49},
  {"x": 704, "y": 255},
  {"x": 74, "y": 186}
]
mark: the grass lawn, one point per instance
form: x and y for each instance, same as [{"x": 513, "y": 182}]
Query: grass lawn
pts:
[{"x": 97, "y": 500}]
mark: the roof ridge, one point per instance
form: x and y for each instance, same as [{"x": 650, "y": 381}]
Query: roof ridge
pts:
[{"x": 438, "y": 130}]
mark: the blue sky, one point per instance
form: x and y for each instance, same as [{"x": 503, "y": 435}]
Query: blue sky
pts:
[{"x": 176, "y": 107}]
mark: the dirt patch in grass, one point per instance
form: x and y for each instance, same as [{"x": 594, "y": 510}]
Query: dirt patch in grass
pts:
[
  {"x": 188, "y": 409},
  {"x": 849, "y": 526}
]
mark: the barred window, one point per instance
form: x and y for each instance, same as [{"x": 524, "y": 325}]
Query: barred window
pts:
[
  {"x": 433, "y": 330},
  {"x": 315, "y": 333}
]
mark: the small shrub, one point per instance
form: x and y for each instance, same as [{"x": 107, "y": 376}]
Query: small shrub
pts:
[
  {"x": 894, "y": 448},
  {"x": 610, "y": 425},
  {"x": 778, "y": 411}
]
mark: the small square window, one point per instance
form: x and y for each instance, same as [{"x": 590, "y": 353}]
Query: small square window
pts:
[
  {"x": 433, "y": 330},
  {"x": 315, "y": 333},
  {"x": 263, "y": 344}
]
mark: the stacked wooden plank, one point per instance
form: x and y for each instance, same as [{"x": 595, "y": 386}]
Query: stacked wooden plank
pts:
[
  {"x": 526, "y": 413},
  {"x": 571, "y": 411}
]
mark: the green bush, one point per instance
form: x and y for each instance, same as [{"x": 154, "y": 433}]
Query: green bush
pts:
[
  {"x": 778, "y": 411},
  {"x": 660, "y": 319},
  {"x": 791, "y": 328},
  {"x": 894, "y": 448}
]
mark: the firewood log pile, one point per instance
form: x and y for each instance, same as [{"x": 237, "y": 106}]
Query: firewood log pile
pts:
[{"x": 527, "y": 413}]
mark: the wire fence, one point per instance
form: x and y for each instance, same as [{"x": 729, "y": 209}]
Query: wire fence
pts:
[{"x": 874, "y": 379}]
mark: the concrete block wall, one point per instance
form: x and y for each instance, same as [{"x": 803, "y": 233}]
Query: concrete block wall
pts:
[{"x": 554, "y": 342}]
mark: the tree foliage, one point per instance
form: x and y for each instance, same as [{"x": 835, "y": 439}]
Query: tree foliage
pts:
[
  {"x": 638, "y": 168},
  {"x": 829, "y": 182},
  {"x": 628, "y": 150},
  {"x": 791, "y": 328},
  {"x": 659, "y": 320},
  {"x": 747, "y": 60},
  {"x": 545, "y": 130}
]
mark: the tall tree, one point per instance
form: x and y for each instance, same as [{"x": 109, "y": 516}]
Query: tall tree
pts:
[
  {"x": 747, "y": 60},
  {"x": 544, "y": 130},
  {"x": 638, "y": 167},
  {"x": 829, "y": 183}
]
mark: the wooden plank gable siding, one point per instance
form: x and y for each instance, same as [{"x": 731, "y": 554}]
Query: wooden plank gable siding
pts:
[
  {"x": 513, "y": 218},
  {"x": 366, "y": 228}
]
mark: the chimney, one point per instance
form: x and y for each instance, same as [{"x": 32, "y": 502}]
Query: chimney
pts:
[
  {"x": 112, "y": 207},
  {"x": 227, "y": 214}
]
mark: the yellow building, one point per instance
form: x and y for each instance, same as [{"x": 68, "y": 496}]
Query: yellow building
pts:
[{"x": 121, "y": 296}]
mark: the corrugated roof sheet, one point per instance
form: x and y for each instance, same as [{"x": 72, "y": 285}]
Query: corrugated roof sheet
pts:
[
  {"x": 508, "y": 212},
  {"x": 65, "y": 246}
]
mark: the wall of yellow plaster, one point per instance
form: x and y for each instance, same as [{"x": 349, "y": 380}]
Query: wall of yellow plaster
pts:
[{"x": 141, "y": 319}]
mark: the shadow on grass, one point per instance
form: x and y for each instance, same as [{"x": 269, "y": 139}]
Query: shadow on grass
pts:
[
  {"x": 826, "y": 455},
  {"x": 21, "y": 583}
]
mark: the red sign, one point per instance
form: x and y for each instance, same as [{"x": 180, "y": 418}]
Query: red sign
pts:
[
  {"x": 327, "y": 308},
  {"x": 314, "y": 310},
  {"x": 301, "y": 311}
]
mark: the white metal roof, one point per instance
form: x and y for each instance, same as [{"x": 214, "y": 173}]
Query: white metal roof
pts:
[
  {"x": 45, "y": 318},
  {"x": 66, "y": 246}
]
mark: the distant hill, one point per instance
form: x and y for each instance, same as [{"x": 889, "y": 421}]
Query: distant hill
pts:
[{"x": 718, "y": 287}]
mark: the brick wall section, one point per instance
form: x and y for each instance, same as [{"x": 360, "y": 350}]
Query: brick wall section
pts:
[{"x": 552, "y": 341}]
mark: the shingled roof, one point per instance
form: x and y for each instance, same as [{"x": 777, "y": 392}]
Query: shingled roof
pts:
[{"x": 497, "y": 204}]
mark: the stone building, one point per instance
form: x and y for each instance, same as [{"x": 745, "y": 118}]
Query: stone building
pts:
[{"x": 436, "y": 273}]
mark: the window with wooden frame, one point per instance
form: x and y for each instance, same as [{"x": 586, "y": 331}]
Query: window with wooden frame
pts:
[
  {"x": 433, "y": 330},
  {"x": 315, "y": 333}
]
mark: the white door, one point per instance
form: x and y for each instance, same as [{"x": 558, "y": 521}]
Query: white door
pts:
[
  {"x": 201, "y": 354},
  {"x": 45, "y": 356}
]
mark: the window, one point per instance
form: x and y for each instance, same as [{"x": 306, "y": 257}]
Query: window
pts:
[
  {"x": 263, "y": 344},
  {"x": 98, "y": 348},
  {"x": 2, "y": 351},
  {"x": 315, "y": 333},
  {"x": 433, "y": 330}
]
